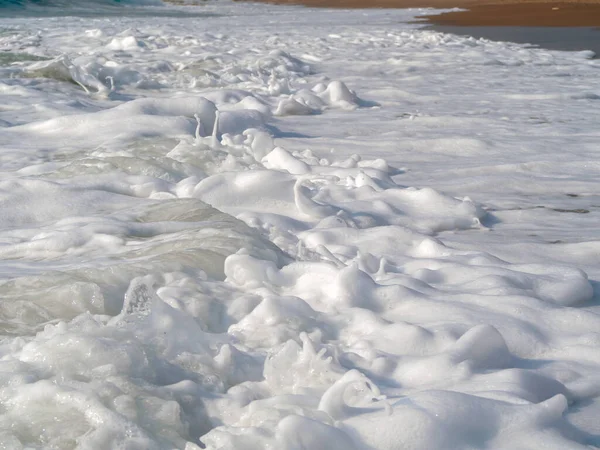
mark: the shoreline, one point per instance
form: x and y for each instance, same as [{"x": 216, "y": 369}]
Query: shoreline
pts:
[
  {"x": 566, "y": 39},
  {"x": 528, "y": 13},
  {"x": 534, "y": 14}
]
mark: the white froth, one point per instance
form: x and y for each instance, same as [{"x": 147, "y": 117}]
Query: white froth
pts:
[{"x": 282, "y": 228}]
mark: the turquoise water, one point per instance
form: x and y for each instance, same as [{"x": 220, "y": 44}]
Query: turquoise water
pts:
[{"x": 8, "y": 58}]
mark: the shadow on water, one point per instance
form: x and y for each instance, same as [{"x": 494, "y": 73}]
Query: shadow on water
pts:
[
  {"x": 595, "y": 301},
  {"x": 550, "y": 38},
  {"x": 277, "y": 133}
]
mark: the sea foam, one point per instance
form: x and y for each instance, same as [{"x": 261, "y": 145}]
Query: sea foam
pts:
[{"x": 282, "y": 228}]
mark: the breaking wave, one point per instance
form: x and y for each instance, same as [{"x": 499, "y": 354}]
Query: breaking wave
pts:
[{"x": 69, "y": 7}]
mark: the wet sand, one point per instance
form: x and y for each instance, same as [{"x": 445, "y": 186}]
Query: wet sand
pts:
[
  {"x": 551, "y": 38},
  {"x": 545, "y": 13}
]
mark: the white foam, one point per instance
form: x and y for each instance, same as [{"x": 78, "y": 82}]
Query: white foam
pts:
[{"x": 281, "y": 228}]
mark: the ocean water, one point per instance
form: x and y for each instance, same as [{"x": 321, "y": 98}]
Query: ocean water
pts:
[
  {"x": 241, "y": 226},
  {"x": 92, "y": 8}
]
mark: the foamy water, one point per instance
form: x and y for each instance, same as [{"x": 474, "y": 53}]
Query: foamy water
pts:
[{"x": 238, "y": 226}]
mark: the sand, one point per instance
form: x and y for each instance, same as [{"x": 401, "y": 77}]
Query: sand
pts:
[
  {"x": 486, "y": 13},
  {"x": 547, "y": 14}
]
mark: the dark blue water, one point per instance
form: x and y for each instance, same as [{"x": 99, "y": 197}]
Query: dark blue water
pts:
[
  {"x": 56, "y": 3},
  {"x": 89, "y": 8}
]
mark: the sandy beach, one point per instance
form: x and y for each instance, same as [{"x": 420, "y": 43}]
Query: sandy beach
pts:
[
  {"x": 542, "y": 14},
  {"x": 486, "y": 13}
]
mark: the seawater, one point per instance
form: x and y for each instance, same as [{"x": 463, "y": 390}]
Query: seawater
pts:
[{"x": 92, "y": 8}]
